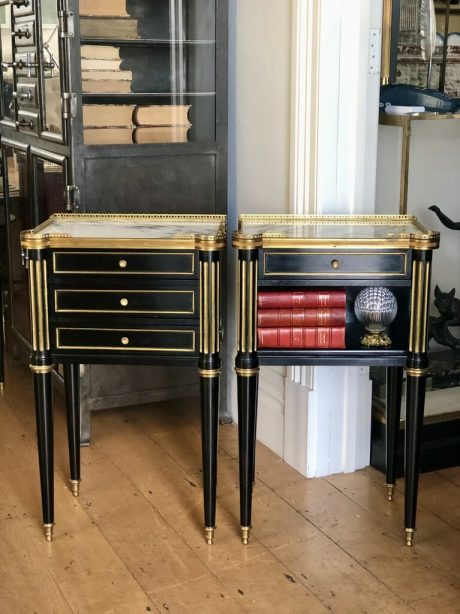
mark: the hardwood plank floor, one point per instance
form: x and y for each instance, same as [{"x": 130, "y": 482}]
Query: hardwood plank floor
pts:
[{"x": 133, "y": 541}]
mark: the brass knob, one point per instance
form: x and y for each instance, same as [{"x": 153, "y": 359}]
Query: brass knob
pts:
[
  {"x": 335, "y": 264},
  {"x": 124, "y": 302},
  {"x": 122, "y": 264},
  {"x": 125, "y": 340}
]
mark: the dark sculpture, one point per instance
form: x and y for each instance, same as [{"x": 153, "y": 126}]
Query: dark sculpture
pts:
[{"x": 447, "y": 305}]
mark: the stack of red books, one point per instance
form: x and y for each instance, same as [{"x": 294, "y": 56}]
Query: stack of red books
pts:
[{"x": 299, "y": 319}]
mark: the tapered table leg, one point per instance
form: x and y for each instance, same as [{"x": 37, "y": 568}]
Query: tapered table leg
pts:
[
  {"x": 247, "y": 412},
  {"x": 44, "y": 417},
  {"x": 394, "y": 393},
  {"x": 209, "y": 384},
  {"x": 72, "y": 397},
  {"x": 414, "y": 423}
]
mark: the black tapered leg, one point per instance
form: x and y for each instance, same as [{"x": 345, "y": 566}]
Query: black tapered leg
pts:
[
  {"x": 414, "y": 423},
  {"x": 247, "y": 413},
  {"x": 394, "y": 393},
  {"x": 209, "y": 430},
  {"x": 72, "y": 398},
  {"x": 44, "y": 416}
]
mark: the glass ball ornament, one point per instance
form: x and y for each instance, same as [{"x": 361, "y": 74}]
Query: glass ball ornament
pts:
[{"x": 376, "y": 308}]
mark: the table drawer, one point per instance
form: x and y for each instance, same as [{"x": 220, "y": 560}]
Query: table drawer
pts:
[
  {"x": 166, "y": 302},
  {"x": 162, "y": 339},
  {"x": 174, "y": 264},
  {"x": 331, "y": 264}
]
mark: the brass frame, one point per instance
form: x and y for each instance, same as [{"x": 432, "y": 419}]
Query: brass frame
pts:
[{"x": 123, "y": 271}]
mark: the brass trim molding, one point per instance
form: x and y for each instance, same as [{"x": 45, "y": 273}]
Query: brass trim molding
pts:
[
  {"x": 40, "y": 369},
  {"x": 124, "y": 270},
  {"x": 209, "y": 373},
  {"x": 247, "y": 372},
  {"x": 416, "y": 372}
]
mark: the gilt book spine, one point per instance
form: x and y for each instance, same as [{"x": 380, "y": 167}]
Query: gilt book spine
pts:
[
  {"x": 306, "y": 299},
  {"x": 323, "y": 316},
  {"x": 328, "y": 337}
]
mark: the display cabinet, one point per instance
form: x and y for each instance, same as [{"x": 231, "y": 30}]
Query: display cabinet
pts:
[
  {"x": 335, "y": 290},
  {"x": 129, "y": 99},
  {"x": 139, "y": 289}
]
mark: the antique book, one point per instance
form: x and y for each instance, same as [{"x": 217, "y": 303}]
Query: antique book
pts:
[
  {"x": 308, "y": 299},
  {"x": 160, "y": 134},
  {"x": 103, "y": 8},
  {"x": 100, "y": 52},
  {"x": 97, "y": 64},
  {"x": 107, "y": 136},
  {"x": 108, "y": 27},
  {"x": 327, "y": 337},
  {"x": 323, "y": 316},
  {"x": 162, "y": 115},
  {"x": 103, "y": 115},
  {"x": 107, "y": 75},
  {"x": 90, "y": 86}
]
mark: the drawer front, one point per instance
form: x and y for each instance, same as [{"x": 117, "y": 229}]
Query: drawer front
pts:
[
  {"x": 331, "y": 264},
  {"x": 24, "y": 33},
  {"x": 171, "y": 264},
  {"x": 28, "y": 122},
  {"x": 162, "y": 340},
  {"x": 161, "y": 302},
  {"x": 26, "y": 8},
  {"x": 26, "y": 94}
]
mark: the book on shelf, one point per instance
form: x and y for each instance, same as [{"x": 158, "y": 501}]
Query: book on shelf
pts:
[
  {"x": 108, "y": 115},
  {"x": 103, "y": 8},
  {"x": 107, "y": 75},
  {"x": 91, "y": 86},
  {"x": 160, "y": 134},
  {"x": 162, "y": 115},
  {"x": 109, "y": 27},
  {"x": 322, "y": 316},
  {"x": 107, "y": 136},
  {"x": 128, "y": 135},
  {"x": 96, "y": 64},
  {"x": 326, "y": 337},
  {"x": 100, "y": 52},
  {"x": 307, "y": 299}
]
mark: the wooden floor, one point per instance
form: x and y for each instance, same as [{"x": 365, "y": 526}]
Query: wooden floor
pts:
[{"x": 133, "y": 541}]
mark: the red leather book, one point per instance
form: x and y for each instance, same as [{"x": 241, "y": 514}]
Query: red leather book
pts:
[
  {"x": 306, "y": 299},
  {"x": 332, "y": 337},
  {"x": 323, "y": 316}
]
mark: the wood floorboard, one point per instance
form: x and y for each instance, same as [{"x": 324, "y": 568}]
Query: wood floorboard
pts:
[{"x": 133, "y": 541}]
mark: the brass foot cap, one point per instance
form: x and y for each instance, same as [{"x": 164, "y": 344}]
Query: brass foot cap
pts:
[
  {"x": 390, "y": 491},
  {"x": 49, "y": 532},
  {"x": 75, "y": 486},
  {"x": 409, "y": 536},
  {"x": 1, "y": 386},
  {"x": 209, "y": 534},
  {"x": 245, "y": 534}
]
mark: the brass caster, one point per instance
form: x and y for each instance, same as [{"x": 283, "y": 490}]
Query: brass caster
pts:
[
  {"x": 75, "y": 487},
  {"x": 245, "y": 534},
  {"x": 409, "y": 536},
  {"x": 390, "y": 491},
  {"x": 49, "y": 532},
  {"x": 209, "y": 534}
]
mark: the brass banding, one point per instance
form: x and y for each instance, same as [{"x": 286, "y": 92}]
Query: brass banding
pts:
[
  {"x": 247, "y": 372},
  {"x": 41, "y": 368},
  {"x": 416, "y": 372},
  {"x": 209, "y": 372}
]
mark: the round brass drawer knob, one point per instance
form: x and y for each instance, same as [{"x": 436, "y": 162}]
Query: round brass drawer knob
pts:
[
  {"x": 122, "y": 264},
  {"x": 335, "y": 264},
  {"x": 124, "y": 302},
  {"x": 125, "y": 340}
]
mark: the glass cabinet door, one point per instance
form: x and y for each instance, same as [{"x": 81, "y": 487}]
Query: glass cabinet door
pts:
[{"x": 148, "y": 71}]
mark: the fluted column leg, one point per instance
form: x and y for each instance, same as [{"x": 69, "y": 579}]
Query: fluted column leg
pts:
[
  {"x": 209, "y": 368},
  {"x": 416, "y": 370},
  {"x": 247, "y": 370}
]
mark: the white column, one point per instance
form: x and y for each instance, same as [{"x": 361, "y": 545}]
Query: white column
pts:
[{"x": 341, "y": 123}]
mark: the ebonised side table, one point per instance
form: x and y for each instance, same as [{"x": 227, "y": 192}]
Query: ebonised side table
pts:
[
  {"x": 124, "y": 289},
  {"x": 289, "y": 252}
]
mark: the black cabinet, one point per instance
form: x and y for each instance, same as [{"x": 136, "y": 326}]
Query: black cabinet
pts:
[{"x": 125, "y": 104}]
